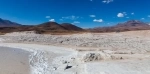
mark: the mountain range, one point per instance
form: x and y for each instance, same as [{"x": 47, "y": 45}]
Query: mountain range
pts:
[
  {"x": 8, "y": 26},
  {"x": 126, "y": 26}
]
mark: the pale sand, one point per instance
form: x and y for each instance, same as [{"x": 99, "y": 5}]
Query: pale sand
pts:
[{"x": 14, "y": 61}]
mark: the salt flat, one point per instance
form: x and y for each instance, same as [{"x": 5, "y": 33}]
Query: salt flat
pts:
[
  {"x": 49, "y": 59},
  {"x": 87, "y": 53},
  {"x": 14, "y": 61}
]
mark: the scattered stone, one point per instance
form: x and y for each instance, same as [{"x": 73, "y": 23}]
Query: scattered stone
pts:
[
  {"x": 92, "y": 57},
  {"x": 72, "y": 58},
  {"x": 61, "y": 41},
  {"x": 65, "y": 62},
  {"x": 68, "y": 67},
  {"x": 121, "y": 58}
]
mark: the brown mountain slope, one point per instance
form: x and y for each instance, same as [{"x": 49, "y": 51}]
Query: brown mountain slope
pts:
[
  {"x": 50, "y": 26},
  {"x": 71, "y": 27},
  {"x": 7, "y": 23},
  {"x": 132, "y": 23}
]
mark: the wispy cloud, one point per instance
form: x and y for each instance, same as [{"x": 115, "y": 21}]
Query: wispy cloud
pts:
[
  {"x": 52, "y": 20},
  {"x": 132, "y": 13},
  {"x": 47, "y": 17},
  {"x": 98, "y": 20},
  {"x": 71, "y": 17},
  {"x": 124, "y": 13},
  {"x": 148, "y": 16},
  {"x": 92, "y": 15},
  {"x": 107, "y": 1},
  {"x": 76, "y": 22},
  {"x": 142, "y": 18}
]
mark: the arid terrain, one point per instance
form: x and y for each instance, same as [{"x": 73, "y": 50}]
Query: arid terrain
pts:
[
  {"x": 52, "y": 48},
  {"x": 74, "y": 36},
  {"x": 86, "y": 53}
]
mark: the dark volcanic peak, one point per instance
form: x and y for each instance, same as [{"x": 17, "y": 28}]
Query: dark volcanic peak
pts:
[
  {"x": 69, "y": 26},
  {"x": 48, "y": 24},
  {"x": 56, "y": 26},
  {"x": 51, "y": 26},
  {"x": 7, "y": 23}
]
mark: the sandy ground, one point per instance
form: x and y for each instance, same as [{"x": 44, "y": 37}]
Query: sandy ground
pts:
[{"x": 89, "y": 53}]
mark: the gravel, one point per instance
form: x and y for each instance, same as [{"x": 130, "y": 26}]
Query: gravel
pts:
[{"x": 111, "y": 42}]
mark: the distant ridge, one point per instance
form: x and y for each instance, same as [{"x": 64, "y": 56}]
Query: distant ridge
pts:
[
  {"x": 7, "y": 23},
  {"x": 53, "y": 27},
  {"x": 130, "y": 25}
]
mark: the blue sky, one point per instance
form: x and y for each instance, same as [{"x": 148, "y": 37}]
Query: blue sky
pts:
[{"x": 83, "y": 13}]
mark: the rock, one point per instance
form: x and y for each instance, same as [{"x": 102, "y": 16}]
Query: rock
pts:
[
  {"x": 121, "y": 58},
  {"x": 92, "y": 57},
  {"x": 64, "y": 62},
  {"x": 68, "y": 67},
  {"x": 72, "y": 58},
  {"x": 61, "y": 41}
]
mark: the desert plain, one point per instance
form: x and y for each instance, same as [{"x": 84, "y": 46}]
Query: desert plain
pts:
[{"x": 85, "y": 53}]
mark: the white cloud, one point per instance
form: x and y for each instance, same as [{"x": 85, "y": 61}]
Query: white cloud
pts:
[
  {"x": 98, "y": 20},
  {"x": 47, "y": 17},
  {"x": 132, "y": 13},
  {"x": 71, "y": 17},
  {"x": 76, "y": 22},
  {"x": 52, "y": 20},
  {"x": 120, "y": 15},
  {"x": 142, "y": 18},
  {"x": 148, "y": 16},
  {"x": 107, "y": 1},
  {"x": 92, "y": 15}
]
